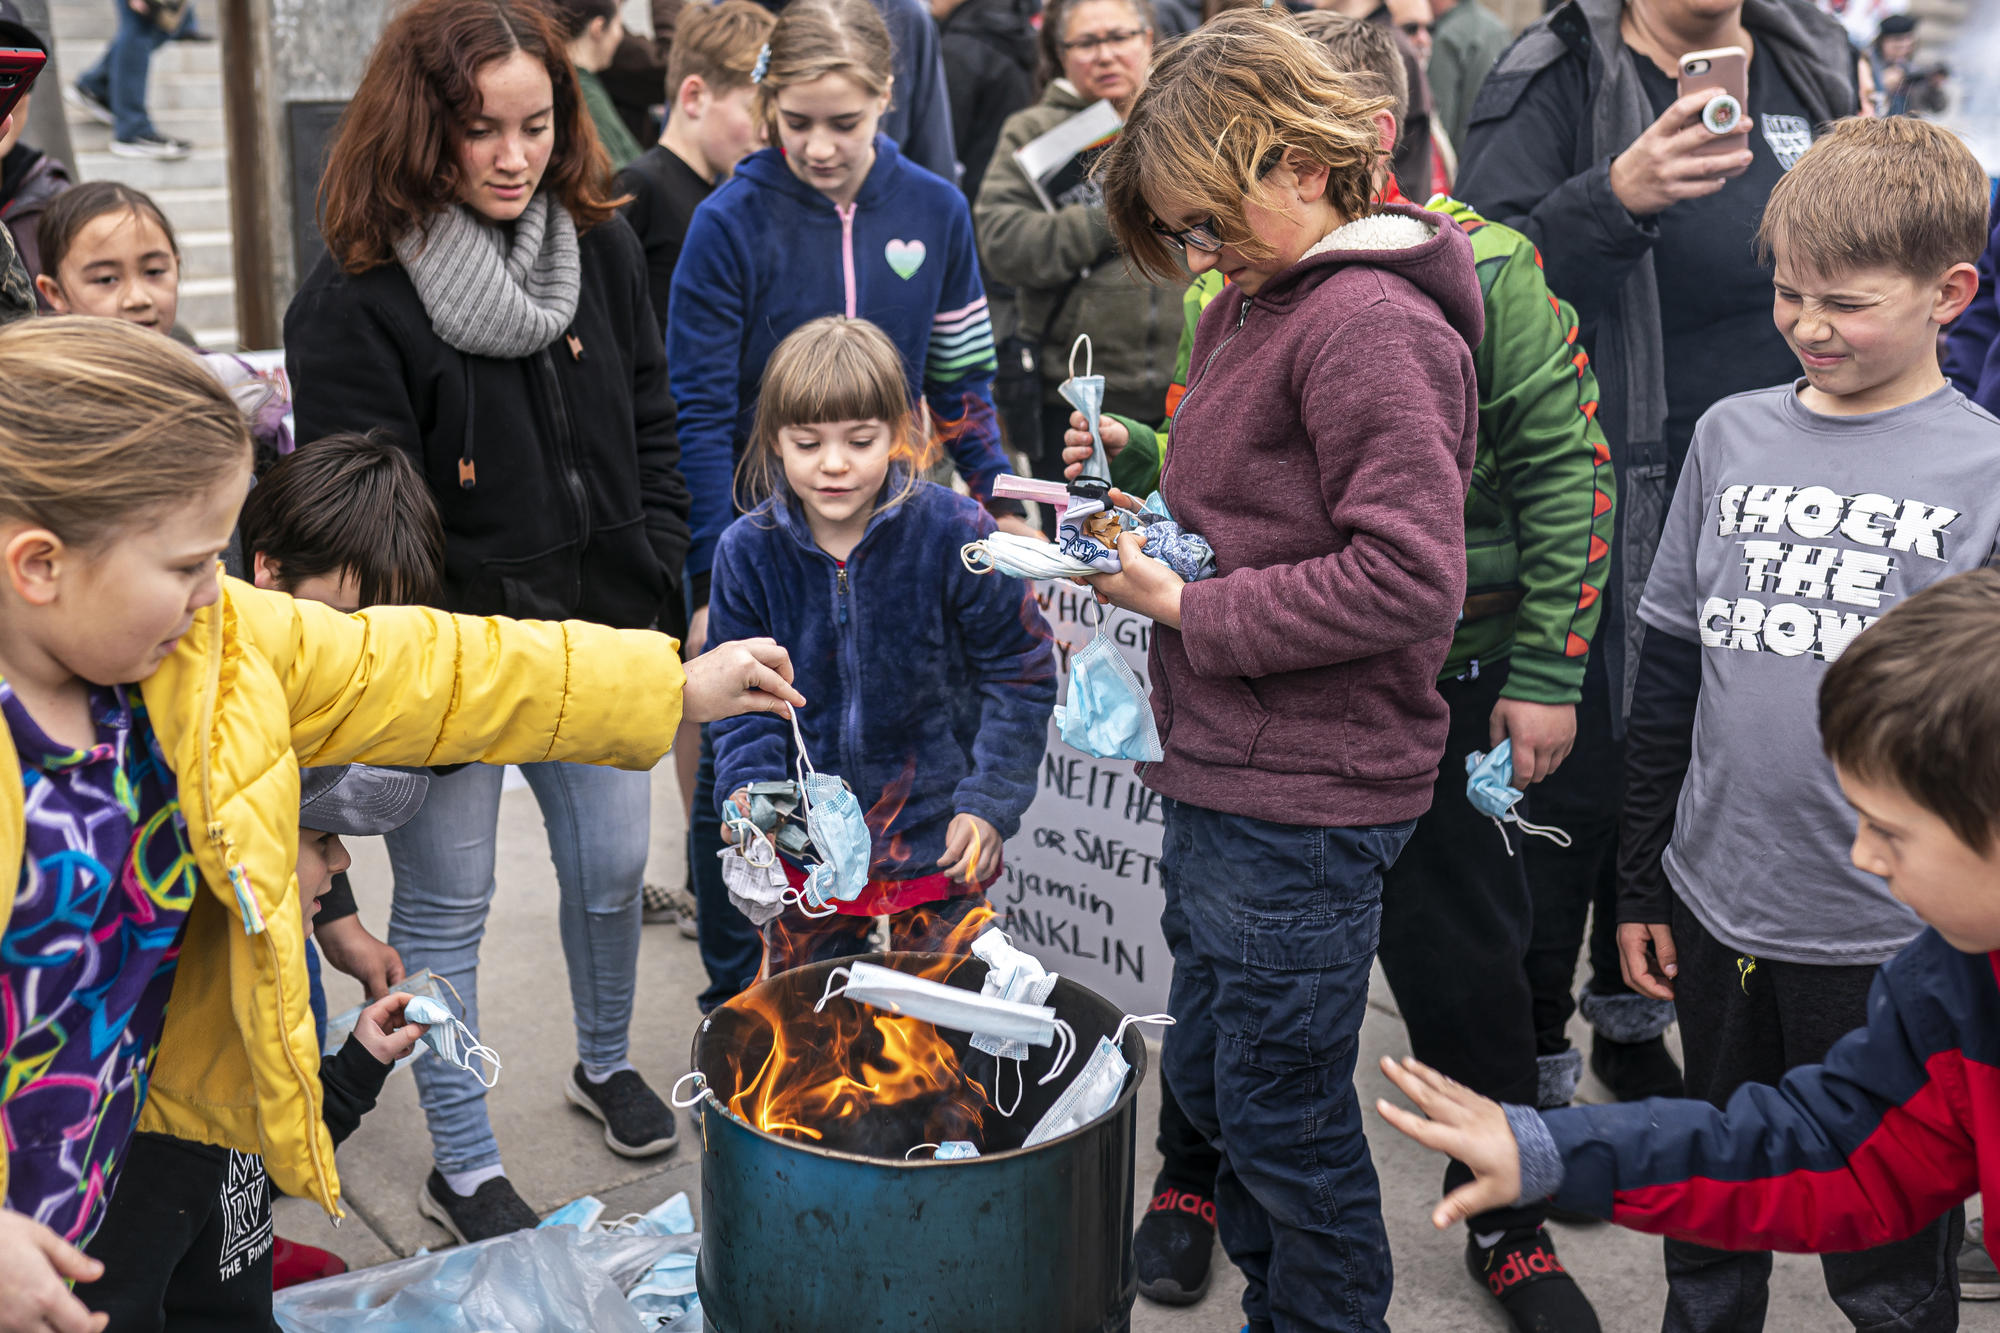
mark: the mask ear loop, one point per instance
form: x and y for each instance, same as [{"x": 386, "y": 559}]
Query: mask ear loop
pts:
[
  {"x": 1065, "y": 1048},
  {"x": 1549, "y": 831},
  {"x": 1163, "y": 1020},
  {"x": 795, "y": 898},
  {"x": 920, "y": 1147},
  {"x": 751, "y": 844},
  {"x": 459, "y": 1047},
  {"x": 1000, "y": 1081},
  {"x": 830, "y": 992},
  {"x": 1083, "y": 341},
  {"x": 1500, "y": 824}
]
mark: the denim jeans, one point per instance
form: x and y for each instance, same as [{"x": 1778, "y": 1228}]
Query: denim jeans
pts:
[
  {"x": 731, "y": 948},
  {"x": 316, "y": 992},
  {"x": 598, "y": 821},
  {"x": 119, "y": 77},
  {"x": 1273, "y": 928}
]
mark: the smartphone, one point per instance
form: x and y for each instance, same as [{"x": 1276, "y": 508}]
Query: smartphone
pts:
[
  {"x": 18, "y": 67},
  {"x": 1726, "y": 69}
]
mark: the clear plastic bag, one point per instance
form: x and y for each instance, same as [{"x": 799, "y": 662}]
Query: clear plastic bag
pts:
[{"x": 557, "y": 1280}]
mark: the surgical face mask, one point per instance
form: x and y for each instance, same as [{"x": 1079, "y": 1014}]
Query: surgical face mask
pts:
[
  {"x": 1108, "y": 714},
  {"x": 1188, "y": 555},
  {"x": 760, "y": 892},
  {"x": 579, "y": 1213},
  {"x": 838, "y": 830},
  {"x": 1487, "y": 786},
  {"x": 945, "y": 1006},
  {"x": 1088, "y": 530},
  {"x": 1016, "y": 976},
  {"x": 341, "y": 1026},
  {"x": 452, "y": 1040},
  {"x": 951, "y": 1150},
  {"x": 1093, "y": 1092}
]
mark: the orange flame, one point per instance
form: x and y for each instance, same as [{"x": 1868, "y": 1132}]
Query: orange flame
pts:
[
  {"x": 889, "y": 805},
  {"x": 826, "y": 1072}
]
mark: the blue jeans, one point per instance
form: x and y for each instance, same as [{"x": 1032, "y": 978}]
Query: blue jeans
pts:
[
  {"x": 316, "y": 993},
  {"x": 119, "y": 77},
  {"x": 598, "y": 821},
  {"x": 1273, "y": 928},
  {"x": 731, "y": 948}
]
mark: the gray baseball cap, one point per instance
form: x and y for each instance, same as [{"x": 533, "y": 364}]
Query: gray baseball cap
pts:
[
  {"x": 14, "y": 29},
  {"x": 358, "y": 801}
]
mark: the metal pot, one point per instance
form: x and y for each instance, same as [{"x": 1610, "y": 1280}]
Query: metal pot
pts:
[{"x": 799, "y": 1239}]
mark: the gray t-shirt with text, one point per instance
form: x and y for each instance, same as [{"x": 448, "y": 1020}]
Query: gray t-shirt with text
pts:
[{"x": 1790, "y": 534}]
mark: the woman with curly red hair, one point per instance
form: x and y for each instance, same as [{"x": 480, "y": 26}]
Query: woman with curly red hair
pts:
[{"x": 482, "y": 302}]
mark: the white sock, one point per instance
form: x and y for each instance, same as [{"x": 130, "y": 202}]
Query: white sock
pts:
[
  {"x": 463, "y": 1183},
  {"x": 598, "y": 1073}
]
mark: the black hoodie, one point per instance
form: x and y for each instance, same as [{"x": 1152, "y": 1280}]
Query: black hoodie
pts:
[{"x": 989, "y": 74}]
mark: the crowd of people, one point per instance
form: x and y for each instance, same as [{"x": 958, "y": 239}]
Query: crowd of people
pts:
[{"x": 1541, "y": 429}]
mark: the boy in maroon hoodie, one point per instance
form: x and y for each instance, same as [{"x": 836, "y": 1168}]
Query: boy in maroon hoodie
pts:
[{"x": 1323, "y": 448}]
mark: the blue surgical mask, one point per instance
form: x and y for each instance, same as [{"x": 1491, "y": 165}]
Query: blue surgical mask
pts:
[
  {"x": 452, "y": 1040},
  {"x": 838, "y": 831},
  {"x": 1487, "y": 786},
  {"x": 1108, "y": 714},
  {"x": 579, "y": 1213},
  {"x": 1094, "y": 1091},
  {"x": 1088, "y": 530}
]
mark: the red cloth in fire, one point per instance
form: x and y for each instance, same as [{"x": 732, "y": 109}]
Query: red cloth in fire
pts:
[{"x": 886, "y": 897}]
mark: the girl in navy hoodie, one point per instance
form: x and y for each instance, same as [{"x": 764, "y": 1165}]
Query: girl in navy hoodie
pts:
[
  {"x": 831, "y": 220},
  {"x": 930, "y": 686}
]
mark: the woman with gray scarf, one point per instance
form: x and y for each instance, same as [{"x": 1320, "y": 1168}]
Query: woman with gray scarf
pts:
[{"x": 483, "y": 302}]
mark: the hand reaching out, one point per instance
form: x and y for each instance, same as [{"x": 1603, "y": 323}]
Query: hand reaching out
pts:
[
  {"x": 352, "y": 950},
  {"x": 36, "y": 1267},
  {"x": 971, "y": 849},
  {"x": 749, "y": 676},
  {"x": 1457, "y": 1122}
]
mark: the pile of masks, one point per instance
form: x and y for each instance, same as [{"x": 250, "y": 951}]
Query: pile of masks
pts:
[
  {"x": 664, "y": 1298},
  {"x": 632, "y": 1276},
  {"x": 832, "y": 843},
  {"x": 1005, "y": 1018}
]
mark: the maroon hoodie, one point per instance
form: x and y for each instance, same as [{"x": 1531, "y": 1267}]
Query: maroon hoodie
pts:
[{"x": 1323, "y": 448}]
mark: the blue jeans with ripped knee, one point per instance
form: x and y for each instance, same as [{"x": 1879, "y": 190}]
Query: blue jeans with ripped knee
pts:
[
  {"x": 1273, "y": 929},
  {"x": 598, "y": 821}
]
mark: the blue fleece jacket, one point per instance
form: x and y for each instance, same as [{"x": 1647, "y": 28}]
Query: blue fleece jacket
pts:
[
  {"x": 928, "y": 687},
  {"x": 1972, "y": 345},
  {"x": 766, "y": 253}
]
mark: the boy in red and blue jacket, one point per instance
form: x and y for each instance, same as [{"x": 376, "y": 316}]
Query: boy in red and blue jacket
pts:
[{"x": 1902, "y": 1121}]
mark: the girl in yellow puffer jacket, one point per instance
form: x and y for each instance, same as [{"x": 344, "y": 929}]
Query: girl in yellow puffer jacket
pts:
[{"x": 156, "y": 717}]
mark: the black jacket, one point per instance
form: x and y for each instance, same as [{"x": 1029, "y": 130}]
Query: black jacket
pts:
[
  {"x": 989, "y": 74},
  {"x": 577, "y": 507},
  {"x": 1561, "y": 103}
]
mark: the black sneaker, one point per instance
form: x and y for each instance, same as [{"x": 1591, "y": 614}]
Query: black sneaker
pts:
[
  {"x": 1636, "y": 1070},
  {"x": 90, "y": 104},
  {"x": 1978, "y": 1280},
  {"x": 1174, "y": 1244},
  {"x": 494, "y": 1209},
  {"x": 160, "y": 147},
  {"x": 1522, "y": 1272},
  {"x": 636, "y": 1122}
]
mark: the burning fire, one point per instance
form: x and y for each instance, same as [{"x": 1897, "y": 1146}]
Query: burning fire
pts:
[{"x": 828, "y": 1073}]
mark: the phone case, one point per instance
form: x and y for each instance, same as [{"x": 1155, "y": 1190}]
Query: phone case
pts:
[
  {"x": 18, "y": 67},
  {"x": 1725, "y": 69}
]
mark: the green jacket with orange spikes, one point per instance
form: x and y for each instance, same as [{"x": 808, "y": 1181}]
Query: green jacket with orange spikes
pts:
[{"x": 1538, "y": 518}]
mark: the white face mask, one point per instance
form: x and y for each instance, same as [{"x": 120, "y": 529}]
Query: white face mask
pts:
[
  {"x": 760, "y": 892},
  {"x": 1010, "y": 975},
  {"x": 1093, "y": 1092}
]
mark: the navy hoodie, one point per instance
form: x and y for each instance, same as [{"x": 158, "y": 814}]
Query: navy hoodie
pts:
[
  {"x": 928, "y": 687},
  {"x": 767, "y": 252}
]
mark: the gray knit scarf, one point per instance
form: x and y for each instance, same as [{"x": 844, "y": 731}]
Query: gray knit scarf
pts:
[{"x": 486, "y": 298}]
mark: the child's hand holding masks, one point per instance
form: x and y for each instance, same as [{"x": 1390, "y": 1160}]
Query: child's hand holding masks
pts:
[
  {"x": 383, "y": 1032},
  {"x": 1144, "y": 586}
]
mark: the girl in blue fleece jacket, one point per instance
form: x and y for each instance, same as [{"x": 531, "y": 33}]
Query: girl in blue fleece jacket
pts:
[
  {"x": 831, "y": 220},
  {"x": 929, "y": 687}
]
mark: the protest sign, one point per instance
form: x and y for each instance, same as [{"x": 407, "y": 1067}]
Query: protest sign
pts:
[{"x": 1081, "y": 890}]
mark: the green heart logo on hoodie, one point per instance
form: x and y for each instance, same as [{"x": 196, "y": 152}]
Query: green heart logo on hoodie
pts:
[{"x": 905, "y": 257}]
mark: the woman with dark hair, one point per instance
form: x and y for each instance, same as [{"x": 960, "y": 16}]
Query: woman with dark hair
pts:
[
  {"x": 483, "y": 303},
  {"x": 593, "y": 31}
]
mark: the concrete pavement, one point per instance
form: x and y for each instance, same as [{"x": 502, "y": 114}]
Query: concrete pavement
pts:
[{"x": 555, "y": 1153}]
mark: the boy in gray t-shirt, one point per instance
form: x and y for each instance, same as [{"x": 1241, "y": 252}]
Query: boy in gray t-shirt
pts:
[{"x": 1804, "y": 513}]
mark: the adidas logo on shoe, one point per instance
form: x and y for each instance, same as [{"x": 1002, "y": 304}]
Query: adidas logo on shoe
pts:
[
  {"x": 1523, "y": 1266},
  {"x": 1171, "y": 1200}
]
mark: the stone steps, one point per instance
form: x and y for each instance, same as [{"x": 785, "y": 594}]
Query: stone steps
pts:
[{"x": 184, "y": 97}]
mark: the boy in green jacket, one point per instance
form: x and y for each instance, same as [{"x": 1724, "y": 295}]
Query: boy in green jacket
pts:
[{"x": 1456, "y": 912}]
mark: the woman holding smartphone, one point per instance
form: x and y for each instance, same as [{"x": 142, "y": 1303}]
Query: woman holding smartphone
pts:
[{"x": 483, "y": 302}]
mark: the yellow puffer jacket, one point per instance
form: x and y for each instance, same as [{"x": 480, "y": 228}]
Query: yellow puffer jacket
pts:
[{"x": 262, "y": 684}]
